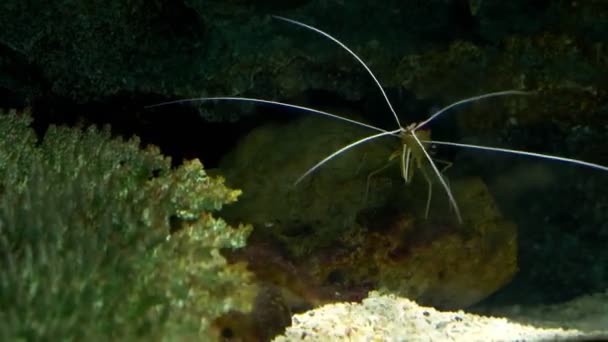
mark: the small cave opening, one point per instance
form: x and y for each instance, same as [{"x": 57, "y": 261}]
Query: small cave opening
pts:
[
  {"x": 178, "y": 130},
  {"x": 182, "y": 132}
]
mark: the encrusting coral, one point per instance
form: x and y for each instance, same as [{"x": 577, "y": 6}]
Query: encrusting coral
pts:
[
  {"x": 343, "y": 240},
  {"x": 100, "y": 239}
]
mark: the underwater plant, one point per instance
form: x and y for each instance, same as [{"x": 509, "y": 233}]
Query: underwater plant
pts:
[{"x": 103, "y": 240}]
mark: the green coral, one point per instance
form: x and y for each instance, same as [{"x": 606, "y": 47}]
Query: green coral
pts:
[{"x": 85, "y": 248}]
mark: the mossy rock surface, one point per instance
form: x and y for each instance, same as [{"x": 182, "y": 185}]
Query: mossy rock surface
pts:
[{"x": 343, "y": 239}]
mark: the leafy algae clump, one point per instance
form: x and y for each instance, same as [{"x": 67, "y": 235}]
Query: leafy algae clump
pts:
[{"x": 100, "y": 239}]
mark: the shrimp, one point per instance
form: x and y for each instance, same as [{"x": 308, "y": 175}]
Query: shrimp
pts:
[{"x": 414, "y": 138}]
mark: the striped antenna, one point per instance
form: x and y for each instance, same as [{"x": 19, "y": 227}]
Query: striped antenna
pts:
[
  {"x": 521, "y": 153},
  {"x": 275, "y": 103},
  {"x": 469, "y": 100},
  {"x": 343, "y": 149},
  {"x": 369, "y": 71}
]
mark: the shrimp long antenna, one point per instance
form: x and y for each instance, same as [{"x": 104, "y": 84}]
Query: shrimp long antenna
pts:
[
  {"x": 469, "y": 100},
  {"x": 445, "y": 185},
  {"x": 276, "y": 103},
  {"x": 520, "y": 152},
  {"x": 369, "y": 71},
  {"x": 345, "y": 148}
]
